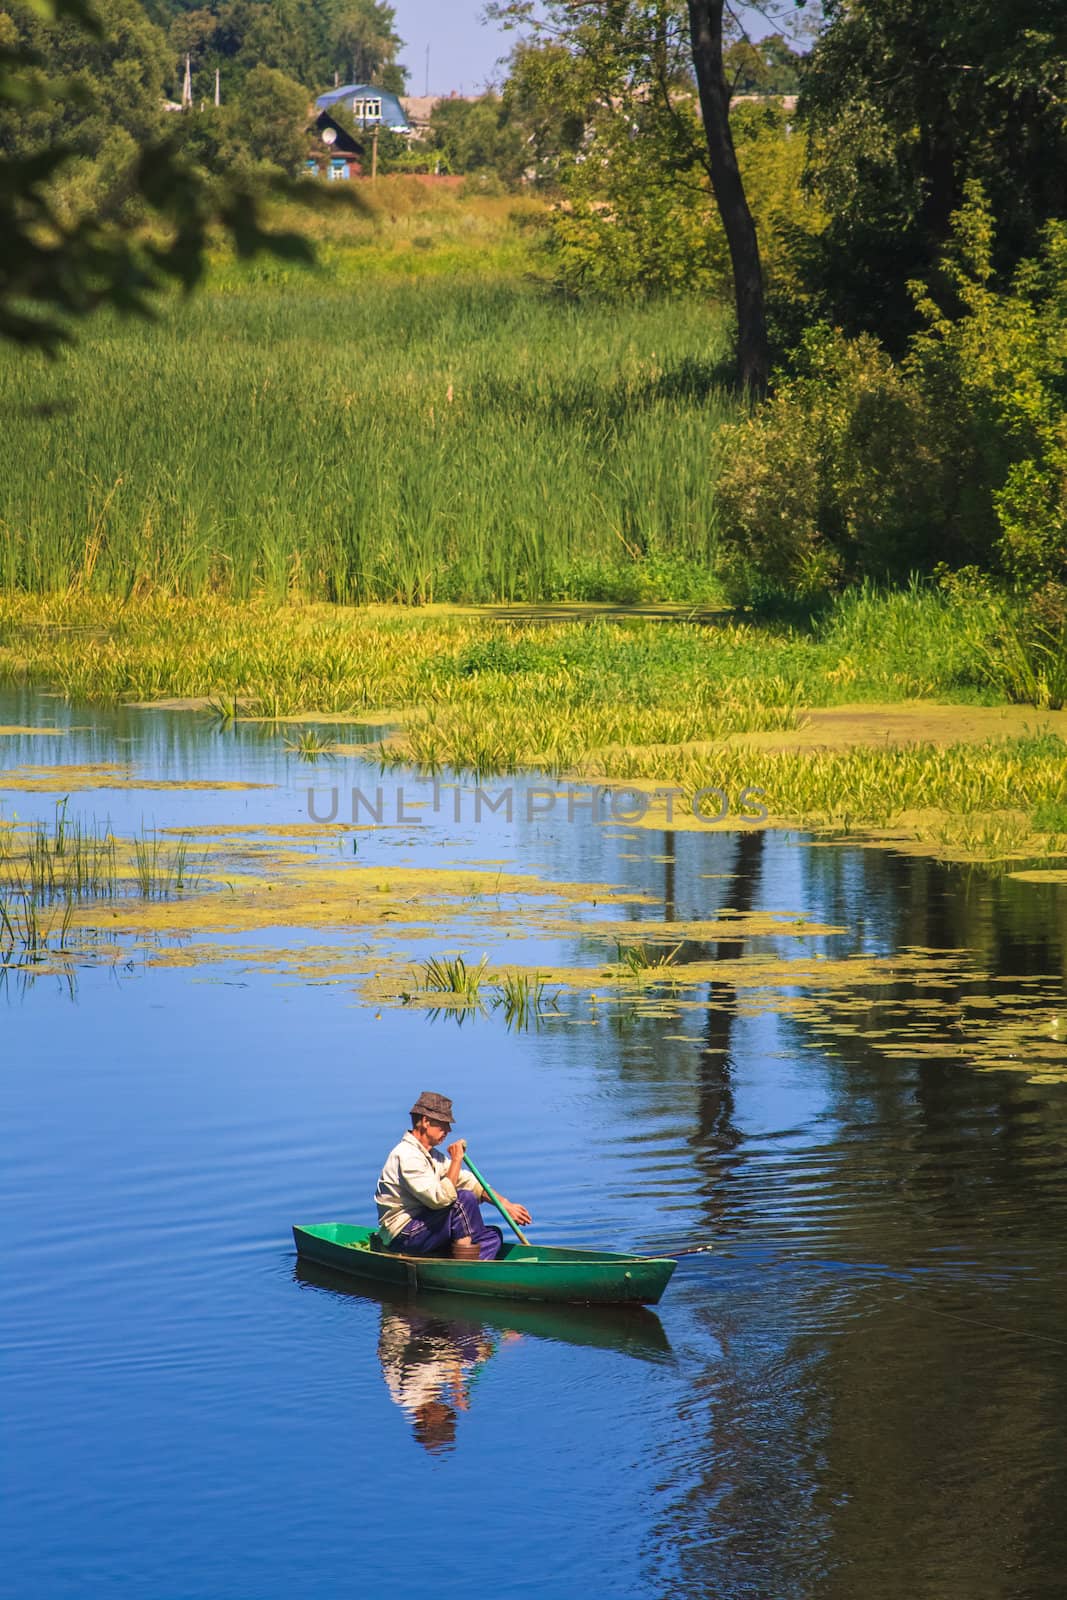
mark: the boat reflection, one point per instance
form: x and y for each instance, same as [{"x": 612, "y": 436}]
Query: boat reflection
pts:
[{"x": 433, "y": 1348}]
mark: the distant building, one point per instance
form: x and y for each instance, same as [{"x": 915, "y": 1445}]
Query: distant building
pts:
[
  {"x": 367, "y": 106},
  {"x": 336, "y": 153}
]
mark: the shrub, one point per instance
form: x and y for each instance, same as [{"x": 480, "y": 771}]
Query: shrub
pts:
[
  {"x": 858, "y": 465},
  {"x": 830, "y": 479},
  {"x": 996, "y": 380}
]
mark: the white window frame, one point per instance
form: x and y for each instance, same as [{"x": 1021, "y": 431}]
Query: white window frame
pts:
[{"x": 367, "y": 109}]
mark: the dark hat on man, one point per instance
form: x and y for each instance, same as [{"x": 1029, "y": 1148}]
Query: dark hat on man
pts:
[{"x": 437, "y": 1106}]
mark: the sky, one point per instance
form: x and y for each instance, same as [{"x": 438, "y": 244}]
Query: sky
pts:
[{"x": 464, "y": 52}]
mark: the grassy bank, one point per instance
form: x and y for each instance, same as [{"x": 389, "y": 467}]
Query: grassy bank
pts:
[
  {"x": 671, "y": 703},
  {"x": 419, "y": 420}
]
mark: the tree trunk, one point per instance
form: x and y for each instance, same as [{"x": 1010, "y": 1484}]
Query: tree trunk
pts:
[{"x": 753, "y": 357}]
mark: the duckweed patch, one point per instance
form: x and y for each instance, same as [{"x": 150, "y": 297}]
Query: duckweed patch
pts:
[{"x": 90, "y": 775}]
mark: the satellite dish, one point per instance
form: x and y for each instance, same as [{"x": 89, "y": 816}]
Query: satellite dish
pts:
[{"x": 329, "y": 135}]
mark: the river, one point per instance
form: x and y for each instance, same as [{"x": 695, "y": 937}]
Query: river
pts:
[{"x": 861, "y": 1388}]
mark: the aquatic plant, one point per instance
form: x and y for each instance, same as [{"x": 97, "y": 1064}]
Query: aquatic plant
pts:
[
  {"x": 645, "y": 963},
  {"x": 28, "y": 930},
  {"x": 521, "y": 997},
  {"x": 223, "y": 709},
  {"x": 310, "y": 744},
  {"x": 663, "y": 703},
  {"x": 1026, "y": 661},
  {"x": 73, "y": 861},
  {"x": 161, "y": 870},
  {"x": 987, "y": 836},
  {"x": 452, "y": 976},
  {"x": 68, "y": 859}
]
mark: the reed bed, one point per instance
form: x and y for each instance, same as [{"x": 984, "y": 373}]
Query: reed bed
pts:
[
  {"x": 30, "y": 931},
  {"x": 68, "y": 859},
  {"x": 416, "y": 441},
  {"x": 630, "y": 700}
]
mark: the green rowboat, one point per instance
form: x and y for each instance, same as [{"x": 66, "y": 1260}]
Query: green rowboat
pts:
[
  {"x": 520, "y": 1272},
  {"x": 630, "y": 1330}
]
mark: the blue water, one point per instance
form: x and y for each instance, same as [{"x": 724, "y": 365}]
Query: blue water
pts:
[{"x": 860, "y": 1390}]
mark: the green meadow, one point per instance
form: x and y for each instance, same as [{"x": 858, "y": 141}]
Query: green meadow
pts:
[{"x": 418, "y": 420}]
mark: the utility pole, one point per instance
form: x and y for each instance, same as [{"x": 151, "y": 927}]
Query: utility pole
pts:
[
  {"x": 426, "y": 84},
  {"x": 218, "y": 97},
  {"x": 374, "y": 156}
]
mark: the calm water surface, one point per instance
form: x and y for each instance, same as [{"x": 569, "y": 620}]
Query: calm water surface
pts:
[{"x": 861, "y": 1391}]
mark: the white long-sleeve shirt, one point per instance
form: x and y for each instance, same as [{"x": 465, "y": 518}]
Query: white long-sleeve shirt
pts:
[{"x": 414, "y": 1180}]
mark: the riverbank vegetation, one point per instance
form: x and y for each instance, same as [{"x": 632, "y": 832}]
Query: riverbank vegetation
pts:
[{"x": 655, "y": 703}]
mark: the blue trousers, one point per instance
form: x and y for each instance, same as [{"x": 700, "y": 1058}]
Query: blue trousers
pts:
[{"x": 434, "y": 1231}]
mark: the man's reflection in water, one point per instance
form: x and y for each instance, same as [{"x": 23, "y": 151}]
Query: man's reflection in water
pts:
[{"x": 429, "y": 1366}]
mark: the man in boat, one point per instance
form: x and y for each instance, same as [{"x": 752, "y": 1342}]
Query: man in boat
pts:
[{"x": 427, "y": 1205}]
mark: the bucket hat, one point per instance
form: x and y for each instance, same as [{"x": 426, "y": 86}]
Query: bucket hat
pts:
[{"x": 437, "y": 1106}]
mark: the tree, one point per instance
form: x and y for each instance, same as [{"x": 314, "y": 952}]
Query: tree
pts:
[
  {"x": 75, "y": 87},
  {"x": 311, "y": 41},
  {"x": 784, "y": 65},
  {"x": 474, "y": 136},
  {"x": 60, "y": 261},
  {"x": 549, "y": 100},
  {"x": 768, "y": 66},
  {"x": 272, "y": 119},
  {"x": 753, "y": 353},
  {"x": 365, "y": 42},
  {"x": 649, "y": 49},
  {"x": 905, "y": 102}
]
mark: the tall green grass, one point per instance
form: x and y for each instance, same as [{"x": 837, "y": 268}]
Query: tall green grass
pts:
[{"x": 421, "y": 440}]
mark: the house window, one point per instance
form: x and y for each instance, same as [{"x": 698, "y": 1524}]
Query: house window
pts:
[{"x": 367, "y": 110}]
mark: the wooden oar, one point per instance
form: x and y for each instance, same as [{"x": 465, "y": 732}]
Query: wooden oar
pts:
[{"x": 495, "y": 1198}]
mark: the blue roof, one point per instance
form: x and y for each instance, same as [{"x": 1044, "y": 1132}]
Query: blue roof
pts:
[{"x": 392, "y": 111}]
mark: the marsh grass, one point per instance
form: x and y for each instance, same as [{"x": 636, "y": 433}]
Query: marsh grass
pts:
[
  {"x": 989, "y": 837},
  {"x": 644, "y": 963},
  {"x": 967, "y": 635},
  {"x": 460, "y": 439},
  {"x": 162, "y": 869},
  {"x": 67, "y": 862},
  {"x": 521, "y": 996},
  {"x": 1027, "y": 664},
  {"x": 29, "y": 930}
]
